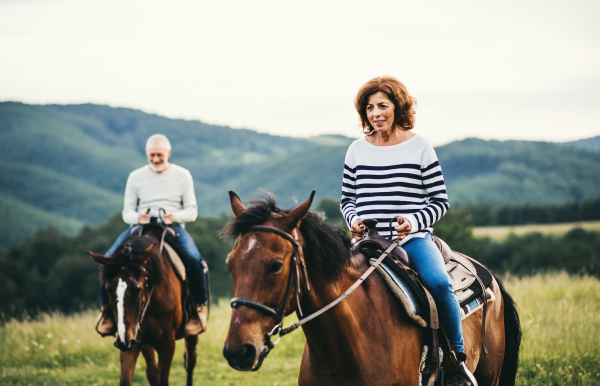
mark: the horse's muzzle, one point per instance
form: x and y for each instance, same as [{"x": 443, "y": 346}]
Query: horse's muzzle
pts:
[
  {"x": 244, "y": 358},
  {"x": 124, "y": 346}
]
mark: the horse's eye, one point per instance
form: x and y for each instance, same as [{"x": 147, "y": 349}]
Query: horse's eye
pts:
[{"x": 275, "y": 267}]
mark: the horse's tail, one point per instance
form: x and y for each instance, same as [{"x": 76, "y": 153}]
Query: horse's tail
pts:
[{"x": 512, "y": 338}]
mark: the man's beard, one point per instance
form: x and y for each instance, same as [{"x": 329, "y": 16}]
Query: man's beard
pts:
[{"x": 157, "y": 169}]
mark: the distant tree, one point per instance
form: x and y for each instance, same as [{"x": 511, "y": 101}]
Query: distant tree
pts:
[
  {"x": 456, "y": 229},
  {"x": 486, "y": 213},
  {"x": 331, "y": 208},
  {"x": 577, "y": 252}
]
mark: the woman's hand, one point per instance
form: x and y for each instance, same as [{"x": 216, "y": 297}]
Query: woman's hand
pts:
[
  {"x": 403, "y": 228},
  {"x": 358, "y": 229},
  {"x": 143, "y": 218},
  {"x": 169, "y": 217}
]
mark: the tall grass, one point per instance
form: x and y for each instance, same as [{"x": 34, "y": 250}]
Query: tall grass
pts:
[
  {"x": 60, "y": 350},
  {"x": 560, "y": 315}
]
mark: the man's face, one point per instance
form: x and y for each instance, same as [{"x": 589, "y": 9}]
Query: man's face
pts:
[{"x": 158, "y": 158}]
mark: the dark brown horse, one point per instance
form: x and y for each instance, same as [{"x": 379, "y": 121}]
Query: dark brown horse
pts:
[
  {"x": 145, "y": 298},
  {"x": 366, "y": 339}
]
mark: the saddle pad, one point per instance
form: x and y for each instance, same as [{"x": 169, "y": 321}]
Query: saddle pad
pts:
[
  {"x": 475, "y": 304},
  {"x": 176, "y": 261},
  {"x": 409, "y": 293},
  {"x": 412, "y": 297}
]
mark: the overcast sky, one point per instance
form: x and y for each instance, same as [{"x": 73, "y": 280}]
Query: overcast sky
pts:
[{"x": 494, "y": 69}]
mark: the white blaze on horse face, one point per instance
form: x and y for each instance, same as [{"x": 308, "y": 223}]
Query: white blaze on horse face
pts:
[
  {"x": 251, "y": 243},
  {"x": 121, "y": 287}
]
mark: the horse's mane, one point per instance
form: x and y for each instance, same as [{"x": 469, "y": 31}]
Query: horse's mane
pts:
[
  {"x": 126, "y": 256},
  {"x": 326, "y": 249}
]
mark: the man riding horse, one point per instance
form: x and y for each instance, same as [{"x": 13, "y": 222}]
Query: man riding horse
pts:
[{"x": 157, "y": 188}]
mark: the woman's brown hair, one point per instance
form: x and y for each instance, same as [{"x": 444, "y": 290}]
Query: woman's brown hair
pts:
[{"x": 404, "y": 104}]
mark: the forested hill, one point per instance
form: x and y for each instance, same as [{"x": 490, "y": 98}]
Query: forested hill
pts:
[{"x": 67, "y": 165}]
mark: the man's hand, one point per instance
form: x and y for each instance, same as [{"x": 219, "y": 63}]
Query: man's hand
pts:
[
  {"x": 358, "y": 229},
  {"x": 169, "y": 217},
  {"x": 143, "y": 218},
  {"x": 403, "y": 228}
]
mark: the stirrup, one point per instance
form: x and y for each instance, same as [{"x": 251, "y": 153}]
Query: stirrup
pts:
[
  {"x": 466, "y": 373},
  {"x": 460, "y": 358}
]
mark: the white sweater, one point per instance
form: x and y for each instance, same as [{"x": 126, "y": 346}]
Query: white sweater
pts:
[
  {"x": 172, "y": 190},
  {"x": 381, "y": 182}
]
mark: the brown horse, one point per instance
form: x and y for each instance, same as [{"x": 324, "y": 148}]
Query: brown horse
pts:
[
  {"x": 366, "y": 339},
  {"x": 145, "y": 298}
]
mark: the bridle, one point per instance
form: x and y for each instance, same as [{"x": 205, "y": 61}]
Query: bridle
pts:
[
  {"x": 297, "y": 263},
  {"x": 141, "y": 318},
  {"x": 145, "y": 302}
]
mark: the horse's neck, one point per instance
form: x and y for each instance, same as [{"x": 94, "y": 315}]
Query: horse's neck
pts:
[
  {"x": 346, "y": 336},
  {"x": 332, "y": 334},
  {"x": 163, "y": 279}
]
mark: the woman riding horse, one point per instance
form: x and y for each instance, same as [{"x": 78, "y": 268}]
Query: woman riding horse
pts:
[
  {"x": 394, "y": 173},
  {"x": 288, "y": 261}
]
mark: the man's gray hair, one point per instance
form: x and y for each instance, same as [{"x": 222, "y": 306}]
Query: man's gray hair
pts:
[{"x": 158, "y": 140}]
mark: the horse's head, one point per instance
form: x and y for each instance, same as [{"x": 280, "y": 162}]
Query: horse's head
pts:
[
  {"x": 264, "y": 265},
  {"x": 124, "y": 276}
]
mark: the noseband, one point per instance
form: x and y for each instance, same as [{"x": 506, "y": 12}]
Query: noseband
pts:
[{"x": 296, "y": 264}]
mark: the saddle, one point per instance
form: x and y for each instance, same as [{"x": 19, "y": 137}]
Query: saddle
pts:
[
  {"x": 470, "y": 281},
  {"x": 166, "y": 233},
  {"x": 467, "y": 276}
]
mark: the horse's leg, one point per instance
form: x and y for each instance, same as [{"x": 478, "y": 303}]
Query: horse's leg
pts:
[
  {"x": 151, "y": 366},
  {"x": 128, "y": 360},
  {"x": 190, "y": 357},
  {"x": 165, "y": 350}
]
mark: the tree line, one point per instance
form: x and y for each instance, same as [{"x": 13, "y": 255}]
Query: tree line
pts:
[
  {"x": 51, "y": 271},
  {"x": 486, "y": 213}
]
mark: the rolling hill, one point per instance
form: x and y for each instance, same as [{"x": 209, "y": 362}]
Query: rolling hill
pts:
[{"x": 67, "y": 165}]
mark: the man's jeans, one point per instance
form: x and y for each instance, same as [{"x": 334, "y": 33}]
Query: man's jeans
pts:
[
  {"x": 197, "y": 278},
  {"x": 427, "y": 260}
]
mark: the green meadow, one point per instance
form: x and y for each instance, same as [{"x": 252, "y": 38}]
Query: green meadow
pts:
[
  {"x": 499, "y": 233},
  {"x": 560, "y": 317}
]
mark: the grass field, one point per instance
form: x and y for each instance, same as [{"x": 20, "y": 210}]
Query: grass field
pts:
[
  {"x": 500, "y": 232},
  {"x": 560, "y": 315}
]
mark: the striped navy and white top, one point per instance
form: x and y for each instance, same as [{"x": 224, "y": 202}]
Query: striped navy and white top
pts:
[{"x": 381, "y": 182}]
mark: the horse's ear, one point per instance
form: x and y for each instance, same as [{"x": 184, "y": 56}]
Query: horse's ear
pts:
[
  {"x": 295, "y": 216},
  {"x": 144, "y": 256},
  {"x": 236, "y": 204},
  {"x": 100, "y": 259}
]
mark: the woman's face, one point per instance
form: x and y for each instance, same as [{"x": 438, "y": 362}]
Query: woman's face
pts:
[{"x": 380, "y": 112}]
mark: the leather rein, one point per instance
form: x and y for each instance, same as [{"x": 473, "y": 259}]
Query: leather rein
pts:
[
  {"x": 297, "y": 263},
  {"x": 139, "y": 229}
]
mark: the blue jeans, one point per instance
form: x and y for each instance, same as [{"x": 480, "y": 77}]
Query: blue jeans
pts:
[
  {"x": 197, "y": 277},
  {"x": 426, "y": 259}
]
